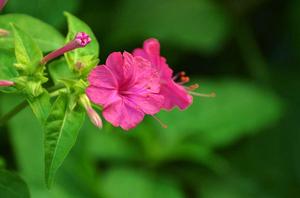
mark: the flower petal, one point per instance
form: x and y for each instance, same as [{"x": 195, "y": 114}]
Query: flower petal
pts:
[
  {"x": 101, "y": 76},
  {"x": 115, "y": 63},
  {"x": 122, "y": 113},
  {"x": 102, "y": 96},
  {"x": 175, "y": 95},
  {"x": 149, "y": 104}
]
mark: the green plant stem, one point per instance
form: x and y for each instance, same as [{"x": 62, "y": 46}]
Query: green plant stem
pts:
[{"x": 6, "y": 117}]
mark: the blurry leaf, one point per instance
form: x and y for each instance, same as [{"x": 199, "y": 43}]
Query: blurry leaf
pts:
[
  {"x": 27, "y": 52},
  {"x": 194, "y": 24},
  {"x": 45, "y": 36},
  {"x": 240, "y": 108},
  {"x": 12, "y": 186},
  {"x": 46, "y": 10},
  {"x": 40, "y": 106},
  {"x": 61, "y": 130},
  {"x": 293, "y": 25},
  {"x": 59, "y": 70},
  {"x": 87, "y": 56},
  {"x": 231, "y": 186},
  {"x": 107, "y": 145},
  {"x": 7, "y": 70},
  {"x": 7, "y": 59},
  {"x": 135, "y": 184}
]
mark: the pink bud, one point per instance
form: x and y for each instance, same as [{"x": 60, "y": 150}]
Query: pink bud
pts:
[
  {"x": 2, "y": 4},
  {"x": 94, "y": 117},
  {"x": 81, "y": 40},
  {"x": 6, "y": 83}
]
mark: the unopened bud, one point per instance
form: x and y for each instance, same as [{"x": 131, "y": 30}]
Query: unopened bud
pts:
[
  {"x": 93, "y": 115},
  {"x": 6, "y": 83}
]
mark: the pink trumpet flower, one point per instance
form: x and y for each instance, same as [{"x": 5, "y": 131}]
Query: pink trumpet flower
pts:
[
  {"x": 127, "y": 87},
  {"x": 6, "y": 83},
  {"x": 175, "y": 93},
  {"x": 81, "y": 40}
]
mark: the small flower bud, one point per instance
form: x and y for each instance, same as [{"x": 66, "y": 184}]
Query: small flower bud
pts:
[
  {"x": 6, "y": 83},
  {"x": 2, "y": 4},
  {"x": 3, "y": 32},
  {"x": 93, "y": 115},
  {"x": 81, "y": 40}
]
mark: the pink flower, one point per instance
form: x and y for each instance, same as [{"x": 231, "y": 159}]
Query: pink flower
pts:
[
  {"x": 175, "y": 94},
  {"x": 127, "y": 87}
]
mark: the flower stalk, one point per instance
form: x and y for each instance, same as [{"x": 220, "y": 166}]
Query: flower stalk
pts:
[{"x": 81, "y": 40}]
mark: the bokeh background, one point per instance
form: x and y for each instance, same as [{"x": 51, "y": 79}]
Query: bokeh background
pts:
[{"x": 243, "y": 143}]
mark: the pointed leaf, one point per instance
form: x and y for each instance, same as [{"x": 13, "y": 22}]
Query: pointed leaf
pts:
[
  {"x": 27, "y": 52},
  {"x": 61, "y": 130},
  {"x": 47, "y": 37},
  {"x": 40, "y": 106}
]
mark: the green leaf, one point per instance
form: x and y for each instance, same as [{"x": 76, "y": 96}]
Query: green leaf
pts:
[
  {"x": 114, "y": 146},
  {"x": 40, "y": 106},
  {"x": 61, "y": 130},
  {"x": 239, "y": 109},
  {"x": 7, "y": 60},
  {"x": 7, "y": 70},
  {"x": 59, "y": 70},
  {"x": 87, "y": 56},
  {"x": 27, "y": 52},
  {"x": 12, "y": 186},
  {"x": 49, "y": 11},
  {"x": 27, "y": 142},
  {"x": 134, "y": 183},
  {"x": 44, "y": 35},
  {"x": 197, "y": 24}
]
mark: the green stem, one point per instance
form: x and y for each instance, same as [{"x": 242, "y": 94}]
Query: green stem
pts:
[{"x": 6, "y": 117}]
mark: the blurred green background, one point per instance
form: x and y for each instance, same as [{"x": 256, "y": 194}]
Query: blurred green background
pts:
[{"x": 243, "y": 143}]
